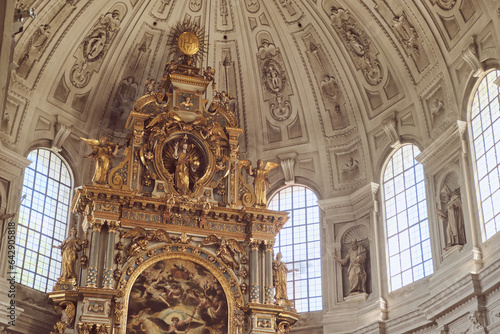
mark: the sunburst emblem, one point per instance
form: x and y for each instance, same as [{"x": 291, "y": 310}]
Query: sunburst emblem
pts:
[{"x": 187, "y": 42}]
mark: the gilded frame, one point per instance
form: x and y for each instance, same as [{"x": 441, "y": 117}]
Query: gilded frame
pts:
[{"x": 214, "y": 270}]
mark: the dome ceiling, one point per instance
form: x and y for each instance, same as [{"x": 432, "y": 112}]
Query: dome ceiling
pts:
[{"x": 325, "y": 87}]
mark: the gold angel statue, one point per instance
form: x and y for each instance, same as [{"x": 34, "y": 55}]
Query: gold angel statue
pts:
[
  {"x": 102, "y": 152},
  {"x": 260, "y": 174}
]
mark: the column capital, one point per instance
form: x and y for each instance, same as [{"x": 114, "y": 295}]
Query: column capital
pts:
[
  {"x": 255, "y": 244},
  {"x": 268, "y": 245},
  {"x": 96, "y": 225},
  {"x": 113, "y": 225}
]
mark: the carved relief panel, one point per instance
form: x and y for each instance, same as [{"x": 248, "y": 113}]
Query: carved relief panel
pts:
[
  {"x": 380, "y": 87},
  {"x": 72, "y": 88},
  {"x": 283, "y": 120},
  {"x": 453, "y": 18},
  {"x": 328, "y": 81}
]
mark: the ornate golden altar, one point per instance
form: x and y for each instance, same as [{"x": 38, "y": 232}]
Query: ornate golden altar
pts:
[{"x": 175, "y": 239}]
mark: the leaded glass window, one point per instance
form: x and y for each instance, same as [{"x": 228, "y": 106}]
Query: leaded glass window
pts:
[
  {"x": 485, "y": 125},
  {"x": 43, "y": 218},
  {"x": 407, "y": 226},
  {"x": 299, "y": 243}
]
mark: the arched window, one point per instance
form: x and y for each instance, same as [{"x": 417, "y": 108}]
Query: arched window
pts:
[
  {"x": 407, "y": 226},
  {"x": 43, "y": 218},
  {"x": 485, "y": 121},
  {"x": 299, "y": 243}
]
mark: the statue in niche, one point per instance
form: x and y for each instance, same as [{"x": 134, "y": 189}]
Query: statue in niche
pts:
[
  {"x": 69, "y": 250},
  {"x": 260, "y": 182},
  {"x": 356, "y": 257},
  {"x": 452, "y": 217},
  {"x": 185, "y": 161},
  {"x": 102, "y": 152}
]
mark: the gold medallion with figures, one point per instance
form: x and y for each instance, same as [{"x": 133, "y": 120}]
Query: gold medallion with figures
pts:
[{"x": 189, "y": 44}]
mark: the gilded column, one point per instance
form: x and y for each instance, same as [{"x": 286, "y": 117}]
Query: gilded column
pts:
[
  {"x": 107, "y": 281},
  {"x": 94, "y": 250},
  {"x": 254, "y": 271},
  {"x": 268, "y": 275},
  {"x": 464, "y": 161}
]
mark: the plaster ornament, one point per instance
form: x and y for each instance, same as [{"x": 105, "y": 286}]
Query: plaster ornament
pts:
[{"x": 390, "y": 128}]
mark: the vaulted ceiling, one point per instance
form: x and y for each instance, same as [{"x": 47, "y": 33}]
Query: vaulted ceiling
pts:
[{"x": 327, "y": 87}]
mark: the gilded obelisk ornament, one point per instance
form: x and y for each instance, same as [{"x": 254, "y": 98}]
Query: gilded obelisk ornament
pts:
[{"x": 168, "y": 227}]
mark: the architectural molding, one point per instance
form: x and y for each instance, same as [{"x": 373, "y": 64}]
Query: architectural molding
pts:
[
  {"x": 62, "y": 131},
  {"x": 350, "y": 207},
  {"x": 441, "y": 151},
  {"x": 471, "y": 55},
  {"x": 287, "y": 162},
  {"x": 390, "y": 126}
]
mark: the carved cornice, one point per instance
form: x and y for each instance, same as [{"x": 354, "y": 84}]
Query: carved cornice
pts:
[
  {"x": 357, "y": 203},
  {"x": 441, "y": 149},
  {"x": 12, "y": 158},
  {"x": 185, "y": 215},
  {"x": 410, "y": 319},
  {"x": 458, "y": 293}
]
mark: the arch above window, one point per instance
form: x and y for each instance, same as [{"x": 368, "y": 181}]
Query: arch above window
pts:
[
  {"x": 485, "y": 142},
  {"x": 407, "y": 226},
  {"x": 43, "y": 219},
  {"x": 299, "y": 243}
]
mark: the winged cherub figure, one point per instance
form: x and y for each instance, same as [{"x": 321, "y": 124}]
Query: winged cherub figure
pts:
[
  {"x": 141, "y": 238},
  {"x": 226, "y": 249},
  {"x": 260, "y": 174}
]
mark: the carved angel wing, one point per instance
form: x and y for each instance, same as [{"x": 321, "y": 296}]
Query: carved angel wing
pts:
[
  {"x": 236, "y": 246},
  {"x": 270, "y": 165},
  {"x": 160, "y": 235},
  {"x": 135, "y": 233},
  {"x": 210, "y": 240}
]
